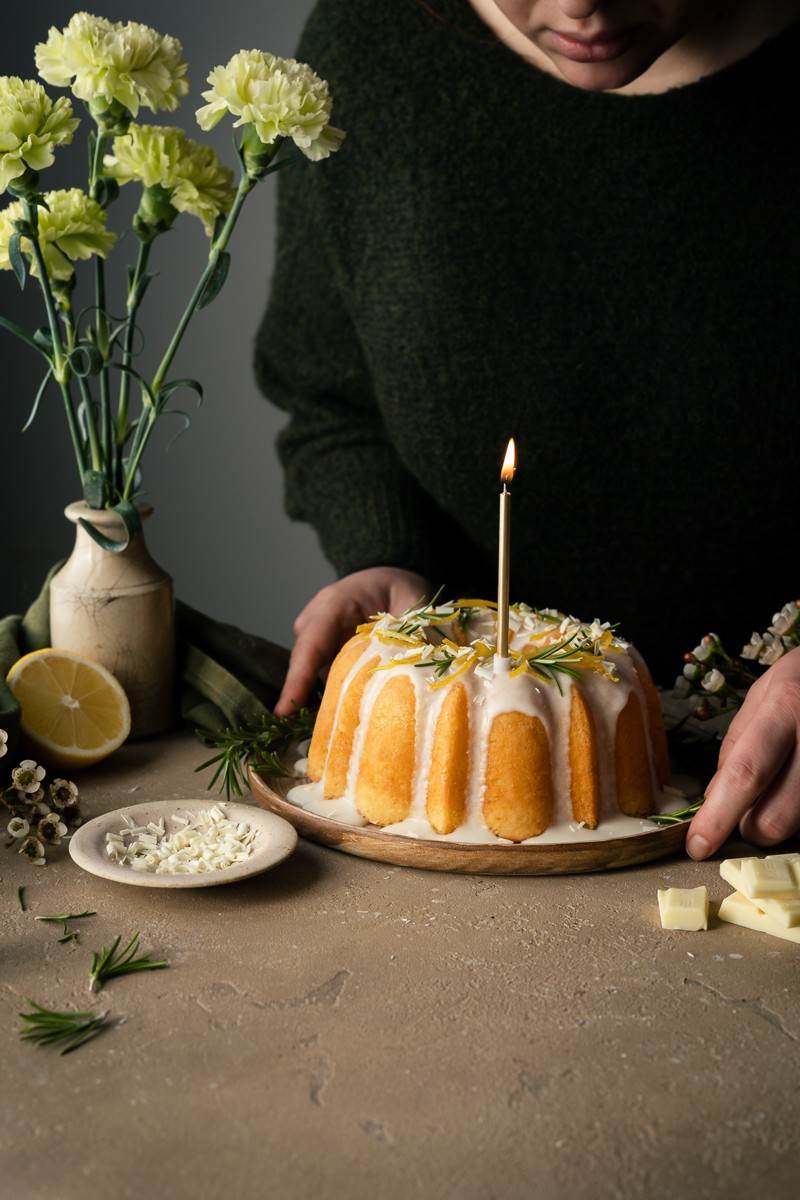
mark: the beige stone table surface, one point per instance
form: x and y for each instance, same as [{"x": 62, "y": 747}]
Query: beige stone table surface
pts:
[{"x": 341, "y": 1028}]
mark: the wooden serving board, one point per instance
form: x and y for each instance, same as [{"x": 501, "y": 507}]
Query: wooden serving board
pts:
[{"x": 566, "y": 858}]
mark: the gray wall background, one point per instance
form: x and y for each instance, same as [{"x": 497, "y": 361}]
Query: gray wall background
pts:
[{"x": 219, "y": 526}]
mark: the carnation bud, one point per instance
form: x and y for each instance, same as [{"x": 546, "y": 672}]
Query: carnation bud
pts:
[
  {"x": 109, "y": 116},
  {"x": 24, "y": 185},
  {"x": 155, "y": 213},
  {"x": 255, "y": 154}
]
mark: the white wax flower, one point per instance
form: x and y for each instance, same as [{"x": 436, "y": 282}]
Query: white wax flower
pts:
[
  {"x": 27, "y": 777},
  {"x": 754, "y": 647},
  {"x": 3, "y": 743},
  {"x": 125, "y": 62},
  {"x": 714, "y": 681},
  {"x": 73, "y": 227},
  {"x": 280, "y": 97},
  {"x": 51, "y": 829},
  {"x": 18, "y": 827},
  {"x": 31, "y": 126},
  {"x": 773, "y": 650},
  {"x": 701, "y": 652},
  {"x": 33, "y": 849},
  {"x": 63, "y": 794},
  {"x": 691, "y": 671}
]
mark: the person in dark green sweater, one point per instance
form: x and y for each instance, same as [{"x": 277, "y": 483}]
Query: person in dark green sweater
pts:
[{"x": 574, "y": 223}]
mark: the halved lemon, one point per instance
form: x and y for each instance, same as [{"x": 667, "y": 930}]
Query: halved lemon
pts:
[{"x": 74, "y": 712}]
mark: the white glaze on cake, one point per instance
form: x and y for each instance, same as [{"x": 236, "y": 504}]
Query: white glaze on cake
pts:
[{"x": 491, "y": 689}]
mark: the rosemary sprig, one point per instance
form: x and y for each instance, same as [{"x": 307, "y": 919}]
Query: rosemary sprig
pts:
[
  {"x": 70, "y": 935},
  {"x": 465, "y": 615},
  {"x": 440, "y": 665},
  {"x": 681, "y": 814},
  {"x": 112, "y": 962},
  {"x": 21, "y": 898},
  {"x": 260, "y": 747},
  {"x": 60, "y": 918},
  {"x": 45, "y": 1027},
  {"x": 559, "y": 658},
  {"x": 421, "y": 614}
]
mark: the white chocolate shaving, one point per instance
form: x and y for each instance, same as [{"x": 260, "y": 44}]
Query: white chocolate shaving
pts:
[{"x": 205, "y": 841}]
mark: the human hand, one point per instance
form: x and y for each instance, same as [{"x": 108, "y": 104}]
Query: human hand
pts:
[
  {"x": 330, "y": 618},
  {"x": 758, "y": 778}
]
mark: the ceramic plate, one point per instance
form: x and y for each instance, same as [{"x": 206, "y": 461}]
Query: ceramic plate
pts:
[{"x": 275, "y": 841}]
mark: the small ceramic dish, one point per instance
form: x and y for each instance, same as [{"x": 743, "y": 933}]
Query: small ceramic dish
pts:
[{"x": 275, "y": 840}]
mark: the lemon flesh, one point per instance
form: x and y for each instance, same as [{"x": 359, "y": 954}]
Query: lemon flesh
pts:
[{"x": 74, "y": 712}]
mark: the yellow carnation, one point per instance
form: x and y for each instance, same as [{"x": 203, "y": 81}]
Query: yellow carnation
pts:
[
  {"x": 73, "y": 228},
  {"x": 31, "y": 126},
  {"x": 163, "y": 156},
  {"x": 114, "y": 61},
  {"x": 280, "y": 97}
]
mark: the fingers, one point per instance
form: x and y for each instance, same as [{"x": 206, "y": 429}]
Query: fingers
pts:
[
  {"x": 319, "y": 636},
  {"x": 755, "y": 695},
  {"x": 776, "y": 816},
  {"x": 755, "y": 760},
  {"x": 407, "y": 590}
]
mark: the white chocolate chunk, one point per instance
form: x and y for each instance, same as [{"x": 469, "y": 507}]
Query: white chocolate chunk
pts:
[
  {"x": 784, "y": 907},
  {"x": 738, "y": 910},
  {"x": 793, "y": 860},
  {"x": 767, "y": 877},
  {"x": 683, "y": 908}
]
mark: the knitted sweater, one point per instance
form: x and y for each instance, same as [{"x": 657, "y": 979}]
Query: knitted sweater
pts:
[{"x": 613, "y": 280}]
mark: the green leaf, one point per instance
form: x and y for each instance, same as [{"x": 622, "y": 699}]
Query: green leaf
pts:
[
  {"x": 85, "y": 359},
  {"x": 39, "y": 394},
  {"x": 94, "y": 489},
  {"x": 187, "y": 421},
  {"x": 17, "y": 258},
  {"x": 19, "y": 332},
  {"x": 136, "y": 296},
  {"x": 131, "y": 521},
  {"x": 168, "y": 389},
  {"x": 148, "y": 399},
  {"x": 216, "y": 280},
  {"x": 44, "y": 339}
]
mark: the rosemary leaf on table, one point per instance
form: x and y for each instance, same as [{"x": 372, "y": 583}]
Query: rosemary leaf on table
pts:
[
  {"x": 111, "y": 962},
  {"x": 260, "y": 747},
  {"x": 21, "y": 898},
  {"x": 60, "y": 918},
  {"x": 681, "y": 814},
  {"x": 46, "y": 1027}
]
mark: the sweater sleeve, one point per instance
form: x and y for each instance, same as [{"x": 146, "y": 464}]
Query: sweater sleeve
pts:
[{"x": 342, "y": 473}]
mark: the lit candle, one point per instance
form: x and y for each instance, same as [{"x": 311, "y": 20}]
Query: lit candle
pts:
[{"x": 504, "y": 563}]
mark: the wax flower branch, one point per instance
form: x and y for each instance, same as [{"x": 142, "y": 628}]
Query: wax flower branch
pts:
[
  {"x": 116, "y": 69},
  {"x": 38, "y": 815},
  {"x": 715, "y": 682}
]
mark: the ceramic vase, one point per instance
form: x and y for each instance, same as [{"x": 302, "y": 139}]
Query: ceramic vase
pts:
[{"x": 119, "y": 610}]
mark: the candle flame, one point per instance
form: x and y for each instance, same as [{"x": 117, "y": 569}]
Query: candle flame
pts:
[{"x": 509, "y": 462}]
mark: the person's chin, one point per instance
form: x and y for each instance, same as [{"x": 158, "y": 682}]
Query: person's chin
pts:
[
  {"x": 602, "y": 76},
  {"x": 618, "y": 66}
]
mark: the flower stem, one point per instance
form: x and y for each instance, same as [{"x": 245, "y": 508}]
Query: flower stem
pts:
[
  {"x": 101, "y": 329},
  {"x": 101, "y": 320},
  {"x": 60, "y": 365},
  {"x": 148, "y": 419},
  {"x": 217, "y": 246},
  {"x": 61, "y": 369},
  {"x": 88, "y": 401},
  {"x": 127, "y": 351}
]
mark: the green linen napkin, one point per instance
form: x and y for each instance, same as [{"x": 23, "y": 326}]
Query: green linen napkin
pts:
[{"x": 227, "y": 677}]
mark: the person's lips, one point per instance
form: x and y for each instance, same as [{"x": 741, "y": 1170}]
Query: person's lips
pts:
[{"x": 599, "y": 48}]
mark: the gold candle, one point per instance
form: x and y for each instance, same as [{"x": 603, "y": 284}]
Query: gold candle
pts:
[{"x": 504, "y": 548}]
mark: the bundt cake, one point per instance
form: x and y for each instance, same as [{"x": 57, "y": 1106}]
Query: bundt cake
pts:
[{"x": 421, "y": 719}]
